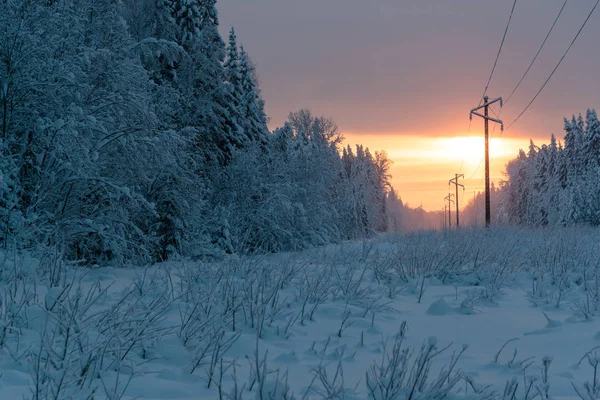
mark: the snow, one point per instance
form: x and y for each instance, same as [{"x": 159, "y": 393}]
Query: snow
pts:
[
  {"x": 353, "y": 328},
  {"x": 439, "y": 307}
]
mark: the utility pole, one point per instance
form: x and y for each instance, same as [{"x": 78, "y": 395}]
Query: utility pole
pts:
[
  {"x": 487, "y": 118},
  {"x": 454, "y": 181},
  {"x": 444, "y": 220},
  {"x": 449, "y": 198}
]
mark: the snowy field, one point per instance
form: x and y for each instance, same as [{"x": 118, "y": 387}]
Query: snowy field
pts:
[{"x": 462, "y": 315}]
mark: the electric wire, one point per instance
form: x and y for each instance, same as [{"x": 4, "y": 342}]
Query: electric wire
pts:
[
  {"x": 487, "y": 85},
  {"x": 526, "y": 71},
  {"x": 530, "y": 65},
  {"x": 477, "y": 170},
  {"x": 556, "y": 67},
  {"x": 524, "y": 75},
  {"x": 538, "y": 52},
  {"x": 460, "y": 170}
]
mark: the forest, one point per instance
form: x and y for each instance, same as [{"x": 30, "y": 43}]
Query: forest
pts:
[
  {"x": 552, "y": 185},
  {"x": 132, "y": 131}
]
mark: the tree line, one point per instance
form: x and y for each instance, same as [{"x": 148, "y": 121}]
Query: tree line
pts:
[
  {"x": 554, "y": 184},
  {"x": 131, "y": 132}
]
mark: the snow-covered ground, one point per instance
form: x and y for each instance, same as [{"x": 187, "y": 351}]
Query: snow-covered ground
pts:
[{"x": 473, "y": 314}]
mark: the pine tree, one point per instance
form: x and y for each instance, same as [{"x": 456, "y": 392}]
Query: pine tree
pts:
[
  {"x": 518, "y": 190},
  {"x": 535, "y": 183},
  {"x": 592, "y": 139},
  {"x": 205, "y": 99},
  {"x": 233, "y": 76},
  {"x": 394, "y": 211},
  {"x": 348, "y": 159},
  {"x": 282, "y": 140},
  {"x": 574, "y": 199},
  {"x": 591, "y": 166},
  {"x": 554, "y": 184},
  {"x": 254, "y": 119},
  {"x": 188, "y": 16}
]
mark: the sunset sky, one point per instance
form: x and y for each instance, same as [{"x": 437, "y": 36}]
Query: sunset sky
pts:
[{"x": 402, "y": 75}]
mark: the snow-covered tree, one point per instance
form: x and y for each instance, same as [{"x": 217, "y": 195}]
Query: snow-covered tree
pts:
[
  {"x": 556, "y": 185},
  {"x": 254, "y": 119},
  {"x": 130, "y": 132}
]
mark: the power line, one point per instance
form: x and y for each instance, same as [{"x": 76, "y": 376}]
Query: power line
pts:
[
  {"x": 500, "y": 49},
  {"x": 463, "y": 159},
  {"x": 496, "y": 115},
  {"x": 487, "y": 85},
  {"x": 531, "y": 64},
  {"x": 557, "y": 65},
  {"x": 477, "y": 170},
  {"x": 524, "y": 76},
  {"x": 538, "y": 52}
]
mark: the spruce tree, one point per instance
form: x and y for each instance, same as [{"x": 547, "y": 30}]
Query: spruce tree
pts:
[
  {"x": 591, "y": 166},
  {"x": 252, "y": 107},
  {"x": 233, "y": 77},
  {"x": 592, "y": 139}
]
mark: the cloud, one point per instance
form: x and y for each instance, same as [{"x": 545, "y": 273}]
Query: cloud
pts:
[
  {"x": 376, "y": 65},
  {"x": 395, "y": 74}
]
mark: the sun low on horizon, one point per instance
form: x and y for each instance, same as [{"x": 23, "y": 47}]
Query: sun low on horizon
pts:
[{"x": 423, "y": 164}]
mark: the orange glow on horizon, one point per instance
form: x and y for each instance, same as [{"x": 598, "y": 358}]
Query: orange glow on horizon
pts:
[{"x": 423, "y": 164}]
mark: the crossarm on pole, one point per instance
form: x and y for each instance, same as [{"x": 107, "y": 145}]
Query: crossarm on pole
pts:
[
  {"x": 489, "y": 103},
  {"x": 488, "y": 118}
]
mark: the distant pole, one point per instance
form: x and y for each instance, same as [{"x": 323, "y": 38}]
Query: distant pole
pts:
[
  {"x": 454, "y": 181},
  {"x": 449, "y": 198},
  {"x": 488, "y": 212},
  {"x": 449, "y": 217},
  {"x": 449, "y": 212},
  {"x": 487, "y": 118},
  {"x": 444, "y": 219}
]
